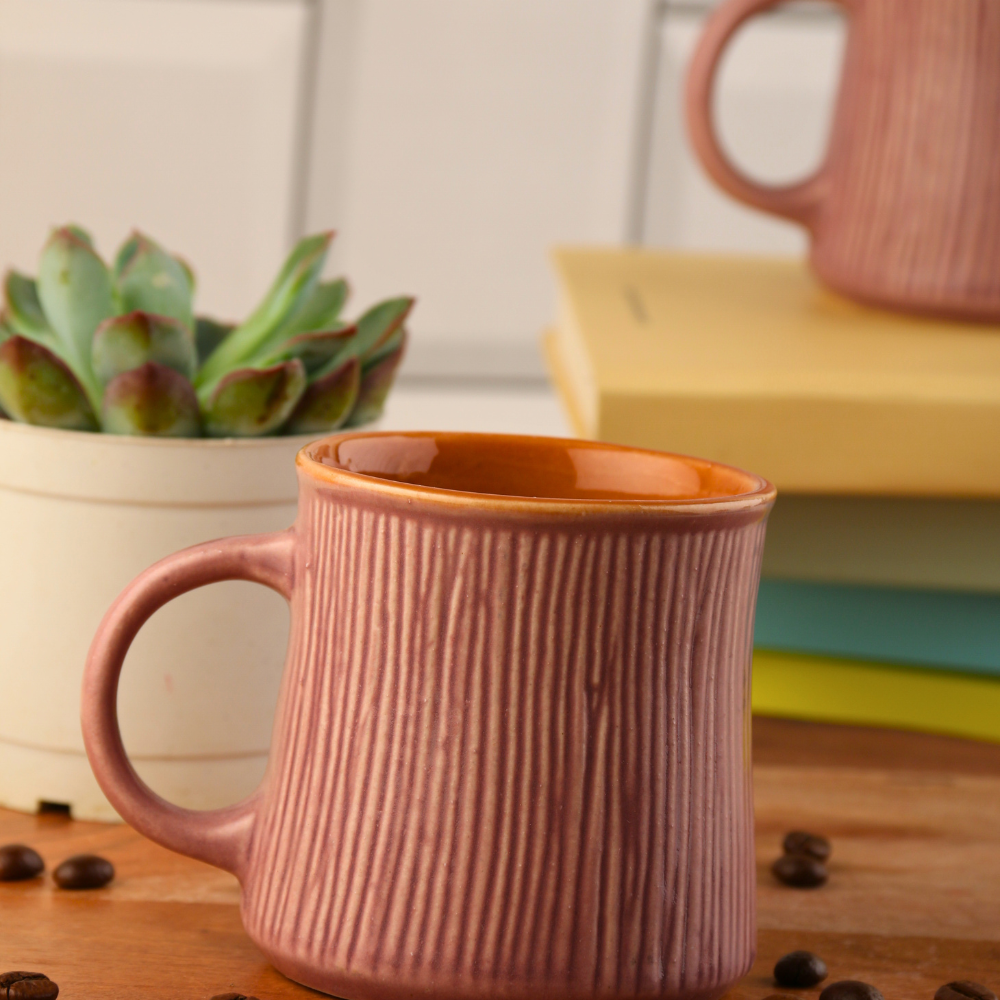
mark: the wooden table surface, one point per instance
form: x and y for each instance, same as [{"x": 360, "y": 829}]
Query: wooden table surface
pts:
[{"x": 913, "y": 899}]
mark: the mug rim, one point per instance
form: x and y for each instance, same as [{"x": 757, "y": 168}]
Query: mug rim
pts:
[{"x": 763, "y": 494}]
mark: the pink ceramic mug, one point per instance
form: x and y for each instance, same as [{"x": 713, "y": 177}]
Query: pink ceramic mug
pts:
[
  {"x": 905, "y": 210},
  {"x": 511, "y": 753}
]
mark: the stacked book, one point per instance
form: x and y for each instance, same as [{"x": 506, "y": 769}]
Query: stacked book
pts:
[{"x": 880, "y": 598}]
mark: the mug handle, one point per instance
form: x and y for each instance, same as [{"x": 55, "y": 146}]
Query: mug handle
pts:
[
  {"x": 798, "y": 201},
  {"x": 220, "y": 836}
]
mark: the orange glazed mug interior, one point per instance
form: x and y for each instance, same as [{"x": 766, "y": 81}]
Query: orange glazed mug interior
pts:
[
  {"x": 510, "y": 758},
  {"x": 535, "y": 468}
]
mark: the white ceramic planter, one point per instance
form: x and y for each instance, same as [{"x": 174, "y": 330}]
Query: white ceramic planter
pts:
[{"x": 81, "y": 515}]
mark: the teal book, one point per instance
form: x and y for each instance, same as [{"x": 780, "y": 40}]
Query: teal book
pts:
[{"x": 933, "y": 628}]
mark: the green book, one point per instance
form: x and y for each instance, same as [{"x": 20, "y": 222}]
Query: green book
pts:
[{"x": 932, "y": 544}]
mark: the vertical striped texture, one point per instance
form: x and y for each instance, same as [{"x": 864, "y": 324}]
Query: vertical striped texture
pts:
[
  {"x": 912, "y": 217},
  {"x": 511, "y": 758}
]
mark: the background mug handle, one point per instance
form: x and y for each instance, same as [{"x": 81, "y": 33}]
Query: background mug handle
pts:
[
  {"x": 798, "y": 201},
  {"x": 220, "y": 836}
]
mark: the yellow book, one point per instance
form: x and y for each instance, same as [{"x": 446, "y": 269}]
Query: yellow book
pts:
[
  {"x": 749, "y": 361},
  {"x": 822, "y": 689}
]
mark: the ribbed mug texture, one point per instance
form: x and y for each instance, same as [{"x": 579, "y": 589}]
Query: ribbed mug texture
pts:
[
  {"x": 912, "y": 217},
  {"x": 511, "y": 755},
  {"x": 904, "y": 211}
]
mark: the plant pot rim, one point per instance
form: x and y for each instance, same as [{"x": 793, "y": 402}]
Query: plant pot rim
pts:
[{"x": 156, "y": 472}]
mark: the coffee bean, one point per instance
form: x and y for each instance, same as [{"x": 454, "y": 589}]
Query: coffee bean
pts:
[
  {"x": 800, "y": 842},
  {"x": 27, "y": 986},
  {"x": 800, "y": 871},
  {"x": 800, "y": 969},
  {"x": 83, "y": 871},
  {"x": 781, "y": 996},
  {"x": 964, "y": 990},
  {"x": 232, "y": 996},
  {"x": 850, "y": 989},
  {"x": 18, "y": 862}
]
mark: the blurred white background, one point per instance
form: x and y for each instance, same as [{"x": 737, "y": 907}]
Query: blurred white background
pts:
[{"x": 450, "y": 143}]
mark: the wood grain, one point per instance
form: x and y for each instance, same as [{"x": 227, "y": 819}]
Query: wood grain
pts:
[
  {"x": 806, "y": 744},
  {"x": 915, "y": 853},
  {"x": 903, "y": 968},
  {"x": 913, "y": 899}
]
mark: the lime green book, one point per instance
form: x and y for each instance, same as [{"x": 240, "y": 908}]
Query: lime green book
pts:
[{"x": 823, "y": 689}]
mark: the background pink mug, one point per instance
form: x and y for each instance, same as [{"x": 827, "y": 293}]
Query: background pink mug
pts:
[
  {"x": 511, "y": 753},
  {"x": 905, "y": 209}
]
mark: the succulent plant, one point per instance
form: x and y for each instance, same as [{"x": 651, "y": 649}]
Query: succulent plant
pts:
[{"x": 119, "y": 349}]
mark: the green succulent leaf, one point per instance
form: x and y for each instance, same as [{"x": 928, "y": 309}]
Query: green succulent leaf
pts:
[
  {"x": 379, "y": 323},
  {"x": 125, "y": 342},
  {"x": 81, "y": 234},
  {"x": 375, "y": 328},
  {"x": 38, "y": 387},
  {"x": 24, "y": 312},
  {"x": 328, "y": 401},
  {"x": 74, "y": 288},
  {"x": 151, "y": 280},
  {"x": 255, "y": 401},
  {"x": 188, "y": 272},
  {"x": 375, "y": 385},
  {"x": 125, "y": 254},
  {"x": 385, "y": 347},
  {"x": 321, "y": 311},
  {"x": 151, "y": 400},
  {"x": 314, "y": 350},
  {"x": 84, "y": 345},
  {"x": 291, "y": 289},
  {"x": 208, "y": 334},
  {"x": 5, "y": 334}
]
